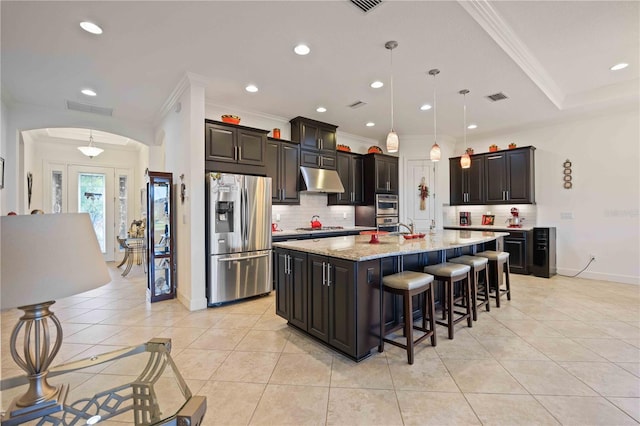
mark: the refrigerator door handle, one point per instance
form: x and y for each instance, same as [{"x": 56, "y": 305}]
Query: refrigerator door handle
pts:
[
  {"x": 246, "y": 217},
  {"x": 252, "y": 256}
]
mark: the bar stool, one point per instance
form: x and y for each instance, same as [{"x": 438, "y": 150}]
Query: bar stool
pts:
[
  {"x": 409, "y": 284},
  {"x": 449, "y": 274},
  {"x": 477, "y": 265},
  {"x": 498, "y": 263}
]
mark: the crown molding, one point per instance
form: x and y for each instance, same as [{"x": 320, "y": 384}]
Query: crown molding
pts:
[
  {"x": 188, "y": 79},
  {"x": 238, "y": 110},
  {"x": 490, "y": 20}
]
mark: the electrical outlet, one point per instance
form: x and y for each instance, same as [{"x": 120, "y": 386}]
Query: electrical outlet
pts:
[
  {"x": 592, "y": 257},
  {"x": 344, "y": 215},
  {"x": 277, "y": 217}
]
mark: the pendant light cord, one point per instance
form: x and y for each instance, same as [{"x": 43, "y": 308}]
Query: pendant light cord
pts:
[
  {"x": 392, "y": 90},
  {"x": 465, "y": 118},
  {"x": 435, "y": 139}
]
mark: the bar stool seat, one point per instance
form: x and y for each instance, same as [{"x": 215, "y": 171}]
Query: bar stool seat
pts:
[
  {"x": 477, "y": 264},
  {"x": 409, "y": 284},
  {"x": 449, "y": 274},
  {"x": 498, "y": 264}
]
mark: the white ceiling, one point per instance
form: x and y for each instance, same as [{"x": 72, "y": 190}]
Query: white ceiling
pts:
[{"x": 551, "y": 58}]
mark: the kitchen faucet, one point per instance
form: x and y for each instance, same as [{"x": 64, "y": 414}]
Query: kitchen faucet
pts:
[{"x": 409, "y": 227}]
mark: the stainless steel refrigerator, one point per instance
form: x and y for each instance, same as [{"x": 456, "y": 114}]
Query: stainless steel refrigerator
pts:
[{"x": 238, "y": 237}]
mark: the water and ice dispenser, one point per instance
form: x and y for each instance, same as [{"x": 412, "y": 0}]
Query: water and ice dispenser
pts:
[{"x": 224, "y": 216}]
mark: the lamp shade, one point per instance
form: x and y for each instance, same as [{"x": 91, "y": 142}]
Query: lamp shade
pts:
[
  {"x": 435, "y": 152},
  {"x": 90, "y": 151},
  {"x": 48, "y": 257},
  {"x": 392, "y": 142}
]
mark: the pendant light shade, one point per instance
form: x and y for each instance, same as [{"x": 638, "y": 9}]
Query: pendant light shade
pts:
[
  {"x": 465, "y": 160},
  {"x": 435, "y": 153},
  {"x": 90, "y": 150},
  {"x": 392, "y": 138}
]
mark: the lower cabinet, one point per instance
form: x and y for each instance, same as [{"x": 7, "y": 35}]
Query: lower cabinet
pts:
[
  {"x": 334, "y": 300},
  {"x": 291, "y": 286},
  {"x": 517, "y": 244}
]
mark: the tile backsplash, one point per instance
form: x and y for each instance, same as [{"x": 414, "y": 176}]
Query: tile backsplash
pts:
[
  {"x": 451, "y": 214},
  {"x": 311, "y": 203}
]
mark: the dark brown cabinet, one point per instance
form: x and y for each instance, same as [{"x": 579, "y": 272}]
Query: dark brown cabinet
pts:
[
  {"x": 518, "y": 245},
  {"x": 466, "y": 186},
  {"x": 291, "y": 286},
  {"x": 380, "y": 175},
  {"x": 317, "y": 142},
  {"x": 332, "y": 310},
  {"x": 509, "y": 176},
  {"x": 350, "y": 169},
  {"x": 502, "y": 177},
  {"x": 228, "y": 144},
  {"x": 283, "y": 167},
  {"x": 160, "y": 237}
]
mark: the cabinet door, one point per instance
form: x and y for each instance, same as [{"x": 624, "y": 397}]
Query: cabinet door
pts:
[
  {"x": 272, "y": 166},
  {"x": 456, "y": 187},
  {"x": 282, "y": 284},
  {"x": 251, "y": 148},
  {"x": 519, "y": 177},
  {"x": 298, "y": 289},
  {"x": 495, "y": 176},
  {"x": 393, "y": 175},
  {"x": 328, "y": 161},
  {"x": 357, "y": 176},
  {"x": 318, "y": 304},
  {"x": 382, "y": 176},
  {"x": 309, "y": 136},
  {"x": 343, "y": 167},
  {"x": 327, "y": 139},
  {"x": 342, "y": 309},
  {"x": 289, "y": 173},
  {"x": 309, "y": 158},
  {"x": 220, "y": 143},
  {"x": 517, "y": 249},
  {"x": 475, "y": 181}
]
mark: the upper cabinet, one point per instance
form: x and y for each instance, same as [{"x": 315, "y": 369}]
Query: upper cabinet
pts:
[
  {"x": 502, "y": 177},
  {"x": 229, "y": 145},
  {"x": 350, "y": 168},
  {"x": 509, "y": 176},
  {"x": 317, "y": 142},
  {"x": 380, "y": 175},
  {"x": 283, "y": 167},
  {"x": 466, "y": 186}
]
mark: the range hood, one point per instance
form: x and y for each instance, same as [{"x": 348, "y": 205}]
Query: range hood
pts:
[{"x": 321, "y": 180}]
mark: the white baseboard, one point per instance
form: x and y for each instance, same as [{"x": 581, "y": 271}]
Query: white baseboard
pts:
[{"x": 625, "y": 279}]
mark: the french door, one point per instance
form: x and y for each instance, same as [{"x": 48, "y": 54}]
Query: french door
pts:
[
  {"x": 103, "y": 192},
  {"x": 419, "y": 207}
]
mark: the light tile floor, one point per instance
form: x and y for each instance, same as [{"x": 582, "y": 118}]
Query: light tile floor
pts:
[{"x": 562, "y": 351}]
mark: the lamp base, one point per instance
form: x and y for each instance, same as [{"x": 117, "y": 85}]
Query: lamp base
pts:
[{"x": 16, "y": 415}]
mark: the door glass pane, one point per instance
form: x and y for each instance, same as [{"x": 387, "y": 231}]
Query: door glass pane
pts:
[
  {"x": 56, "y": 191},
  {"x": 161, "y": 216},
  {"x": 122, "y": 206},
  {"x": 91, "y": 199}
]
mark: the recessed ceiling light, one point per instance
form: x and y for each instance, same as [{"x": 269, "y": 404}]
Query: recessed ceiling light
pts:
[
  {"x": 472, "y": 126},
  {"x": 425, "y": 107},
  {"x": 88, "y": 92},
  {"x": 321, "y": 109},
  {"x": 370, "y": 124},
  {"x": 90, "y": 27},
  {"x": 302, "y": 49},
  {"x": 251, "y": 88},
  {"x": 377, "y": 84},
  {"x": 619, "y": 66}
]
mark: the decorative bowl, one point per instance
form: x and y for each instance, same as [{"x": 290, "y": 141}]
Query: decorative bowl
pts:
[
  {"x": 232, "y": 119},
  {"x": 344, "y": 148},
  {"x": 374, "y": 150},
  {"x": 413, "y": 236}
]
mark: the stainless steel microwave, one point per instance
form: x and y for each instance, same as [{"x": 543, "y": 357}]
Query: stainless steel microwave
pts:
[{"x": 387, "y": 205}]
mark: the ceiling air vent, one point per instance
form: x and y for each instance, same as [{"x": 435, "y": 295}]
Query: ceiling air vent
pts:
[
  {"x": 77, "y": 106},
  {"x": 366, "y": 5},
  {"x": 497, "y": 97},
  {"x": 357, "y": 104}
]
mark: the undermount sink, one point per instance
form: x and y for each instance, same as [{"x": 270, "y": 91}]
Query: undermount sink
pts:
[{"x": 324, "y": 228}]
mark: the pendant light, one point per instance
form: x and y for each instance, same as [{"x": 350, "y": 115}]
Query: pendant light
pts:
[
  {"x": 465, "y": 160},
  {"x": 90, "y": 150},
  {"x": 435, "y": 149},
  {"x": 392, "y": 138}
]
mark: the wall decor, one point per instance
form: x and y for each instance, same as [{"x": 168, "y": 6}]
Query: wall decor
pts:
[
  {"x": 183, "y": 188},
  {"x": 567, "y": 174},
  {"x": 1, "y": 172}
]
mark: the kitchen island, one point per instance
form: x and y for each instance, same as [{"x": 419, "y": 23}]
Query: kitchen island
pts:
[{"x": 330, "y": 288}]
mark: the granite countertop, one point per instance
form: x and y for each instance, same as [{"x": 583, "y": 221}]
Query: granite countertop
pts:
[
  {"x": 357, "y": 247},
  {"x": 501, "y": 228},
  {"x": 294, "y": 232}
]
